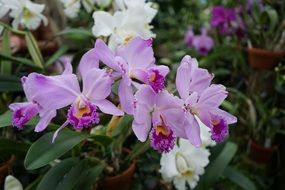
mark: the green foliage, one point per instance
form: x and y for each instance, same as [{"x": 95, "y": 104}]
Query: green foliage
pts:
[
  {"x": 43, "y": 151},
  {"x": 71, "y": 173}
]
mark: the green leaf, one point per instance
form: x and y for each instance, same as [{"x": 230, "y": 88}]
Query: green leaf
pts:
[
  {"x": 125, "y": 121},
  {"x": 18, "y": 60},
  {"x": 139, "y": 148},
  {"x": 10, "y": 86},
  {"x": 10, "y": 78},
  {"x": 62, "y": 50},
  {"x": 9, "y": 147},
  {"x": 102, "y": 139},
  {"x": 56, "y": 174},
  {"x": 217, "y": 167},
  {"x": 73, "y": 176},
  {"x": 269, "y": 17},
  {"x": 6, "y": 66},
  {"x": 76, "y": 34},
  {"x": 6, "y": 119},
  {"x": 238, "y": 178},
  {"x": 43, "y": 151},
  {"x": 34, "y": 50},
  {"x": 89, "y": 177}
]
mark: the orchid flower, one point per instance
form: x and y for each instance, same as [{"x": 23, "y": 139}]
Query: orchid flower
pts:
[
  {"x": 189, "y": 37},
  {"x": 184, "y": 164},
  {"x": 203, "y": 43},
  {"x": 72, "y": 7},
  {"x": 56, "y": 92},
  {"x": 201, "y": 102},
  {"x": 131, "y": 20},
  {"x": 25, "y": 13},
  {"x": 134, "y": 60},
  {"x": 157, "y": 115},
  {"x": 24, "y": 112}
]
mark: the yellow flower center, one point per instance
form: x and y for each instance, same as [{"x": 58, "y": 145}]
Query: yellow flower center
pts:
[
  {"x": 128, "y": 39},
  {"x": 215, "y": 121},
  {"x": 82, "y": 109},
  {"x": 27, "y": 14},
  {"x": 161, "y": 129},
  {"x": 152, "y": 77}
]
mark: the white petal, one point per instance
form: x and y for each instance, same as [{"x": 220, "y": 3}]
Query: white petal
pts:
[
  {"x": 11, "y": 183},
  {"x": 104, "y": 23}
]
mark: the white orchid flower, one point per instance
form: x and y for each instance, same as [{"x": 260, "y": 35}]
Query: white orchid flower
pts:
[
  {"x": 25, "y": 13},
  {"x": 132, "y": 19},
  {"x": 184, "y": 164}
]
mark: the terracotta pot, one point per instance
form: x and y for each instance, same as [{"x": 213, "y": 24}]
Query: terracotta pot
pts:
[
  {"x": 121, "y": 181},
  {"x": 260, "y": 154},
  {"x": 5, "y": 167},
  {"x": 263, "y": 59}
]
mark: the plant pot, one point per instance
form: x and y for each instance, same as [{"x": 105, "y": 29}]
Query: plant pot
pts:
[
  {"x": 263, "y": 59},
  {"x": 5, "y": 168},
  {"x": 121, "y": 181},
  {"x": 260, "y": 154}
]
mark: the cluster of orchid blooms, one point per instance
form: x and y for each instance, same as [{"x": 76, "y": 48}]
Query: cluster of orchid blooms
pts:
[
  {"x": 203, "y": 43},
  {"x": 158, "y": 114}
]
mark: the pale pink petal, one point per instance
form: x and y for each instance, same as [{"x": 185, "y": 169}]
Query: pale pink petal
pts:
[
  {"x": 45, "y": 119},
  {"x": 97, "y": 84},
  {"x": 163, "y": 70},
  {"x": 165, "y": 100},
  {"x": 138, "y": 53},
  {"x": 142, "y": 124},
  {"x": 66, "y": 60},
  {"x": 183, "y": 77},
  {"x": 192, "y": 99},
  {"x": 193, "y": 131},
  {"x": 126, "y": 95},
  {"x": 108, "y": 107},
  {"x": 105, "y": 55},
  {"x": 229, "y": 118},
  {"x": 175, "y": 119},
  {"x": 52, "y": 92},
  {"x": 145, "y": 95},
  {"x": 88, "y": 61},
  {"x": 213, "y": 96}
]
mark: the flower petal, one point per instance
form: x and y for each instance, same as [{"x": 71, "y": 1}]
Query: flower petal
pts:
[
  {"x": 213, "y": 96},
  {"x": 229, "y": 118},
  {"x": 141, "y": 129},
  {"x": 97, "y": 84},
  {"x": 45, "y": 119},
  {"x": 108, "y": 107},
  {"x": 193, "y": 131},
  {"x": 126, "y": 95},
  {"x": 138, "y": 53},
  {"x": 88, "y": 61},
  {"x": 53, "y": 92},
  {"x": 104, "y": 23},
  {"x": 183, "y": 77},
  {"x": 105, "y": 55},
  {"x": 145, "y": 95}
]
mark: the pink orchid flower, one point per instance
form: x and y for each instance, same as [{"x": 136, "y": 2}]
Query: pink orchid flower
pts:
[
  {"x": 131, "y": 62},
  {"x": 201, "y": 102},
  {"x": 24, "y": 112},
  {"x": 157, "y": 115},
  {"x": 56, "y": 92}
]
